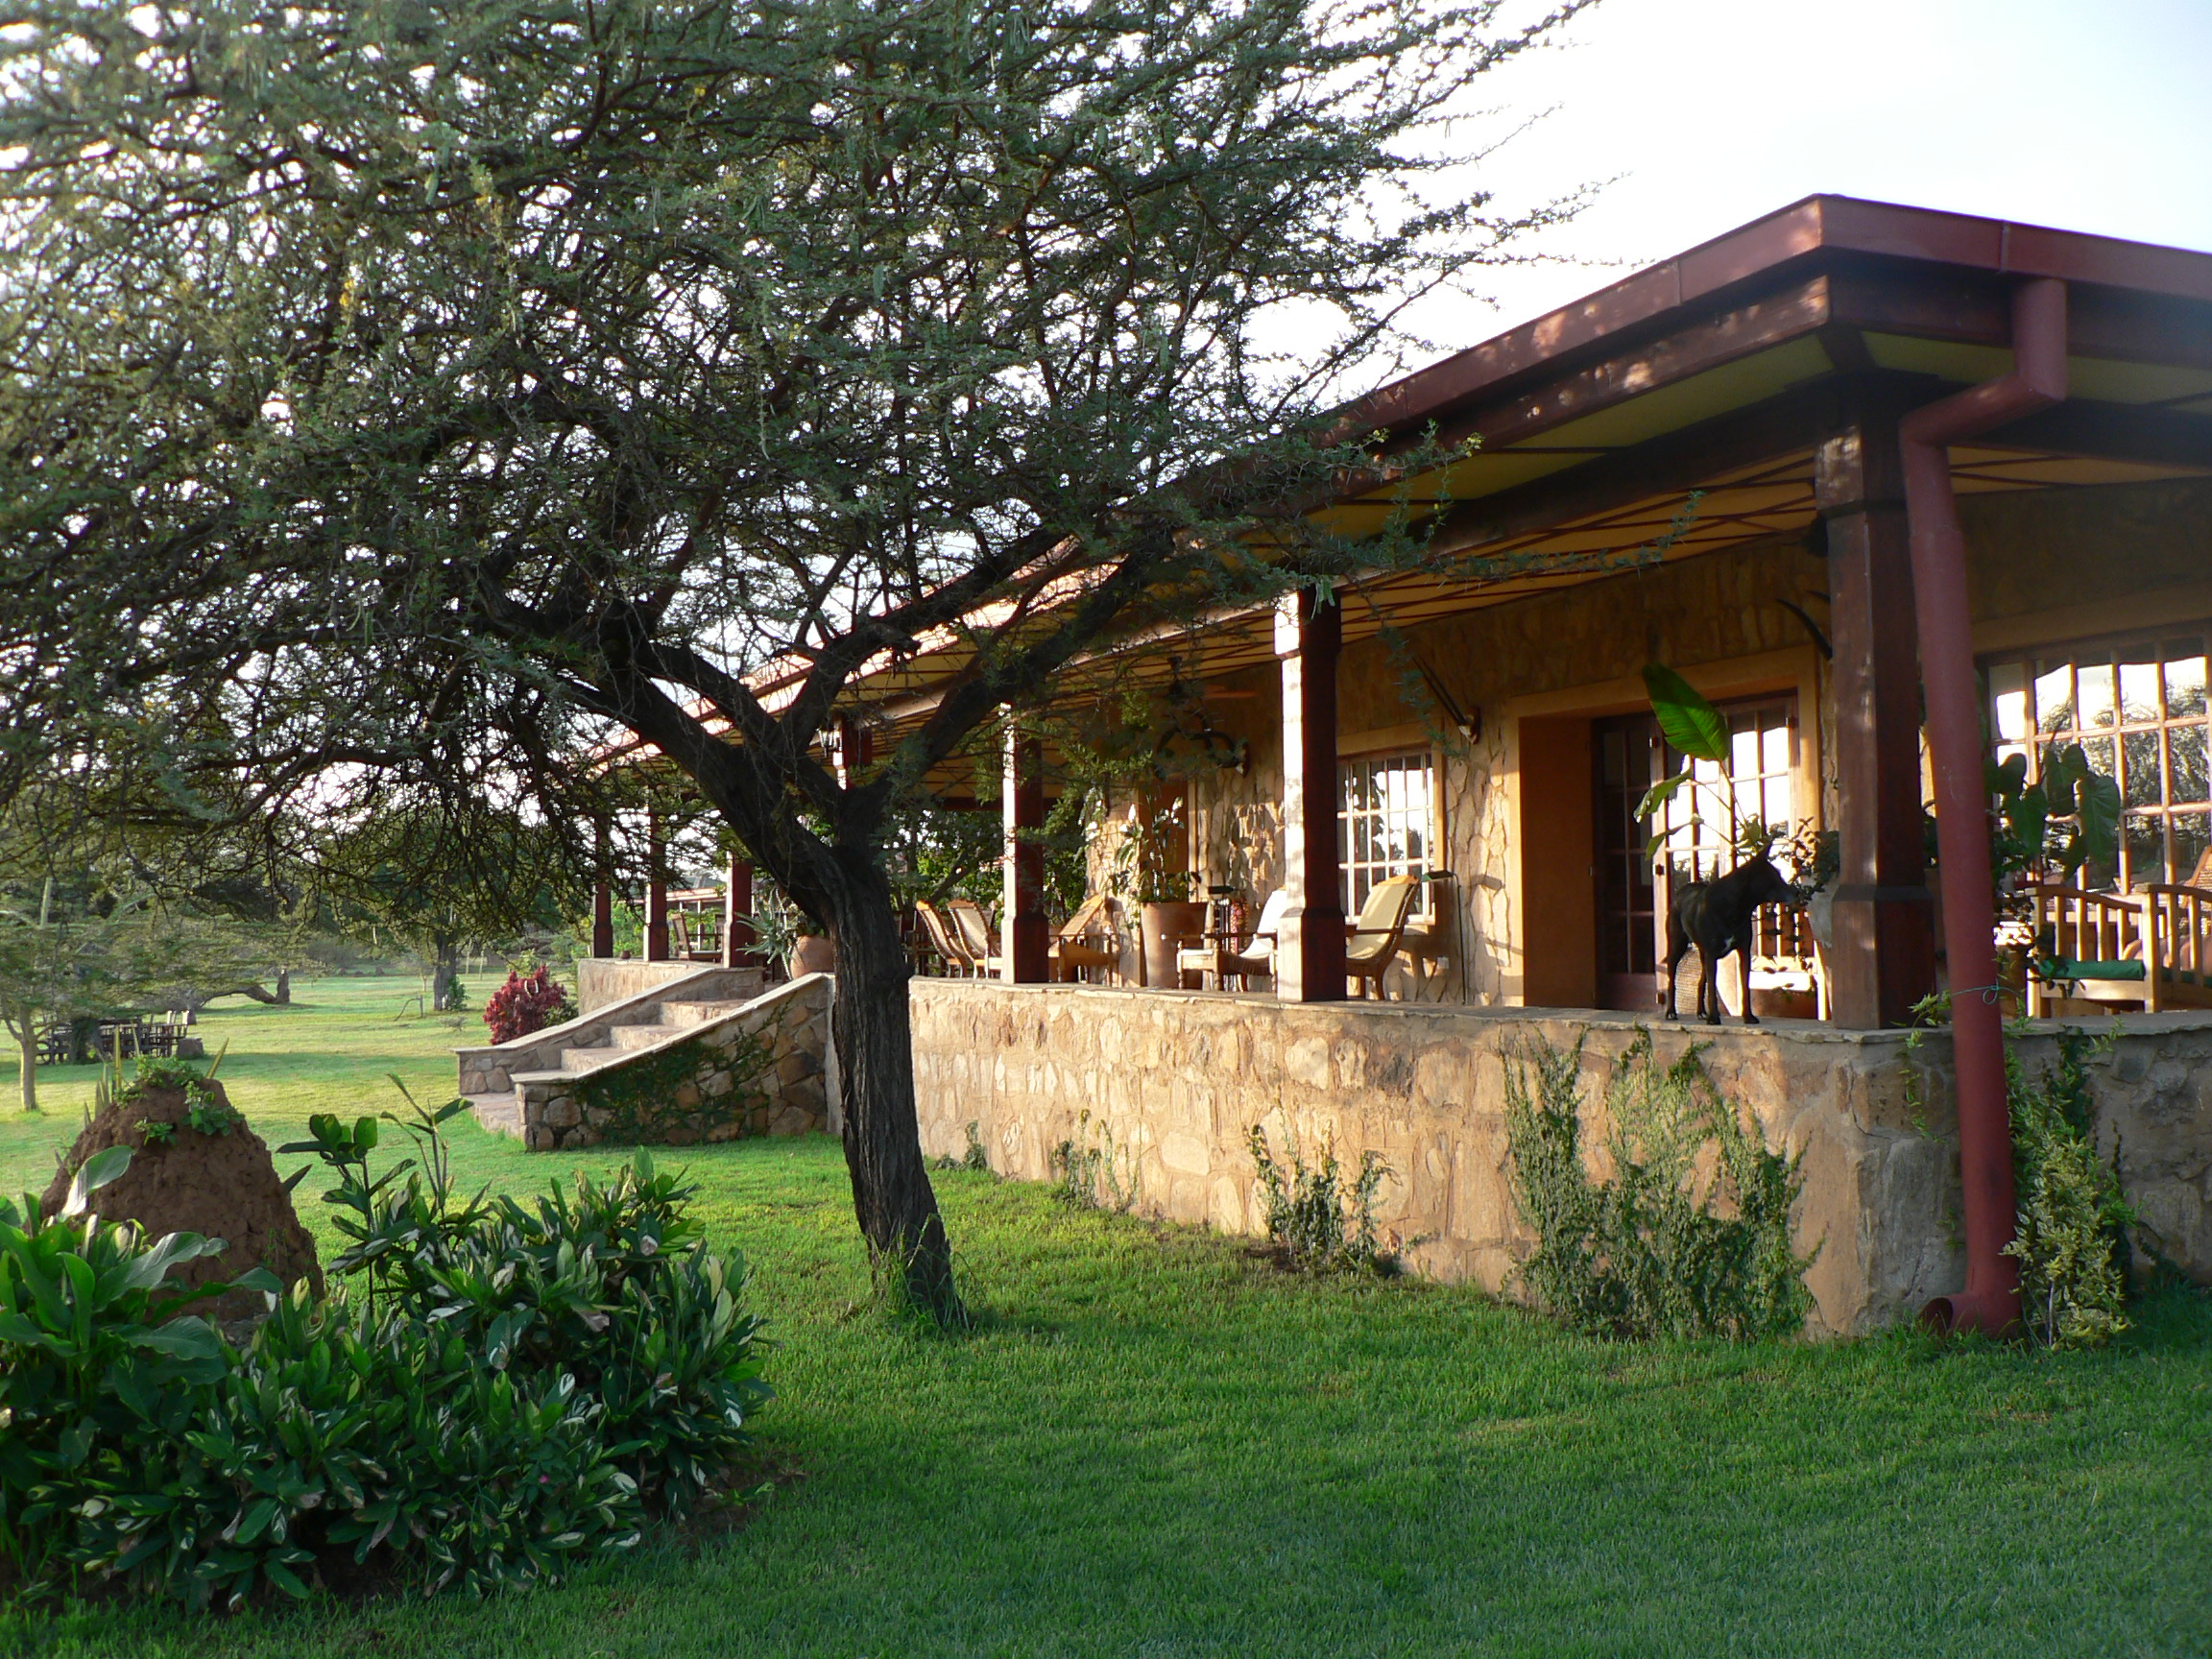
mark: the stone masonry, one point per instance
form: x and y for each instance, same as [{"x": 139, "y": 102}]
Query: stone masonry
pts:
[
  {"x": 1176, "y": 1080},
  {"x": 672, "y": 1066}
]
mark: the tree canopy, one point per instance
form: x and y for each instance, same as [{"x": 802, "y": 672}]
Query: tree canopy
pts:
[{"x": 405, "y": 393}]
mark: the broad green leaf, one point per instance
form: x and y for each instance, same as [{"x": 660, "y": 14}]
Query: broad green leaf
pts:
[
  {"x": 1690, "y": 723},
  {"x": 101, "y": 1170},
  {"x": 1660, "y": 793},
  {"x": 187, "y": 1338}
]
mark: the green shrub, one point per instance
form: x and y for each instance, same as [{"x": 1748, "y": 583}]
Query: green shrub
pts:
[
  {"x": 1318, "y": 1224},
  {"x": 496, "y": 1392},
  {"x": 1089, "y": 1176},
  {"x": 1648, "y": 1253},
  {"x": 99, "y": 1373},
  {"x": 2070, "y": 1214}
]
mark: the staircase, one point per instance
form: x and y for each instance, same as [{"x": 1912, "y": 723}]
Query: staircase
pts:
[
  {"x": 528, "y": 1087},
  {"x": 623, "y": 1040}
]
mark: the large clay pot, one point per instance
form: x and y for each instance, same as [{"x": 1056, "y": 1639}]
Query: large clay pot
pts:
[
  {"x": 813, "y": 954},
  {"x": 1168, "y": 928}
]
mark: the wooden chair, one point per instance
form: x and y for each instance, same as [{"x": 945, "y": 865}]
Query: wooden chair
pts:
[
  {"x": 1372, "y": 942},
  {"x": 945, "y": 939},
  {"x": 1224, "y": 956},
  {"x": 976, "y": 933},
  {"x": 1784, "y": 957},
  {"x": 2177, "y": 944},
  {"x": 1090, "y": 940}
]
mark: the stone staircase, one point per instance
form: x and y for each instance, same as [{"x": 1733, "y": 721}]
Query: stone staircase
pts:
[
  {"x": 537, "y": 1088},
  {"x": 625, "y": 1040}
]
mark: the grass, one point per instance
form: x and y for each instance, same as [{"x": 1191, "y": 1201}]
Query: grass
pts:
[{"x": 1157, "y": 1446}]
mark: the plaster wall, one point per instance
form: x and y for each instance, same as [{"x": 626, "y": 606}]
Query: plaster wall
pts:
[{"x": 1172, "y": 1082}]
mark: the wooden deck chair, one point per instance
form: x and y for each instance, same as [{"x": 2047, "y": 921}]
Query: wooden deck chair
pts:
[
  {"x": 1090, "y": 940},
  {"x": 945, "y": 939},
  {"x": 1223, "y": 959},
  {"x": 1373, "y": 944},
  {"x": 976, "y": 933}
]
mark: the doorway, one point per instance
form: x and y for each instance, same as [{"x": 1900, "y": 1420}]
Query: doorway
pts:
[{"x": 1629, "y": 755}]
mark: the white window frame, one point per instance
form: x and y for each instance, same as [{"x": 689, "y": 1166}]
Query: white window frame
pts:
[
  {"x": 2137, "y": 711},
  {"x": 1373, "y": 844}
]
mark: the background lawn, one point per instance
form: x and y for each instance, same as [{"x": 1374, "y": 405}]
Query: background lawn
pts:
[{"x": 1158, "y": 1446}]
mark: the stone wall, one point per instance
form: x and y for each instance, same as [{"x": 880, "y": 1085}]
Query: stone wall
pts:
[{"x": 1177, "y": 1080}]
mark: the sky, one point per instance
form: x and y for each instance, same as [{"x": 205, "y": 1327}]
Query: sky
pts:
[{"x": 2083, "y": 115}]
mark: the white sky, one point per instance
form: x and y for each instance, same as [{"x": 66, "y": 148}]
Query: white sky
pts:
[{"x": 2083, "y": 114}]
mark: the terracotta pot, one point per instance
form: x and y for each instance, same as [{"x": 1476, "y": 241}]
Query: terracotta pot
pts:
[
  {"x": 813, "y": 954},
  {"x": 1168, "y": 928}
]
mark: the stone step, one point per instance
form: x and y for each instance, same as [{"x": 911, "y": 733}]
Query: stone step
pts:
[
  {"x": 627, "y": 1038},
  {"x": 575, "y": 1060},
  {"x": 501, "y": 1114},
  {"x": 682, "y": 1014}
]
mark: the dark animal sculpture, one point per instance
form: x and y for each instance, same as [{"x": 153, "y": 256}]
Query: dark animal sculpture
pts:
[{"x": 1715, "y": 916}]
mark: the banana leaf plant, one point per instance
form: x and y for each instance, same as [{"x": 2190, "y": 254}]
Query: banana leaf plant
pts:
[
  {"x": 2068, "y": 817},
  {"x": 1692, "y": 725}
]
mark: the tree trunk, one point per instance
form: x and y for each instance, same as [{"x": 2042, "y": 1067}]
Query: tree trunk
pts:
[
  {"x": 26, "y": 1033},
  {"x": 892, "y": 1197},
  {"x": 442, "y": 975},
  {"x": 283, "y": 987}
]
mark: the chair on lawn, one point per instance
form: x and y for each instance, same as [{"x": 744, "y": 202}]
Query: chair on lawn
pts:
[
  {"x": 1224, "y": 956},
  {"x": 1090, "y": 940},
  {"x": 1372, "y": 944}
]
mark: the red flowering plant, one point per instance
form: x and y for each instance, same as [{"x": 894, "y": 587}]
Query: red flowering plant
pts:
[{"x": 527, "y": 1003}]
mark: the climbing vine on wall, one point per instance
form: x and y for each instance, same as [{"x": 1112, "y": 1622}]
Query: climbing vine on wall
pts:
[
  {"x": 1646, "y": 1253},
  {"x": 640, "y": 1100}
]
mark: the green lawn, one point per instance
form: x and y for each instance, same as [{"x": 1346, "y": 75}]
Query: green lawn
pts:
[{"x": 1157, "y": 1446}]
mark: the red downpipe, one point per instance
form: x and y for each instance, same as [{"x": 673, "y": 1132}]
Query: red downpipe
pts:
[{"x": 1992, "y": 1299}]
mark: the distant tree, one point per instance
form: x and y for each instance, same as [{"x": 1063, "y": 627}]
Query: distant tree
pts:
[{"x": 424, "y": 391}]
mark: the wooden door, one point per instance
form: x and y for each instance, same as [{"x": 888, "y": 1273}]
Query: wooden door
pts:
[{"x": 1629, "y": 757}]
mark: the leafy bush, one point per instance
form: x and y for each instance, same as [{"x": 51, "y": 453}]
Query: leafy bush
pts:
[
  {"x": 1088, "y": 1177},
  {"x": 1646, "y": 1254},
  {"x": 527, "y": 1003},
  {"x": 1313, "y": 1219},
  {"x": 98, "y": 1368},
  {"x": 2068, "y": 1237},
  {"x": 499, "y": 1392}
]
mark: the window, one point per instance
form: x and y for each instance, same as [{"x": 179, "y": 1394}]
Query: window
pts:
[
  {"x": 1763, "y": 753},
  {"x": 2137, "y": 710},
  {"x": 1386, "y": 824}
]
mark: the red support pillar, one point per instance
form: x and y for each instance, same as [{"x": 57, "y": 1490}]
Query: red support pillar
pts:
[
  {"x": 1883, "y": 959},
  {"x": 656, "y": 892},
  {"x": 1309, "y": 945},
  {"x": 603, "y": 895},
  {"x": 1024, "y": 932}
]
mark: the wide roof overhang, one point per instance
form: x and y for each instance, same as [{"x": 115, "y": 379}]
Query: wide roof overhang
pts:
[{"x": 1719, "y": 372}]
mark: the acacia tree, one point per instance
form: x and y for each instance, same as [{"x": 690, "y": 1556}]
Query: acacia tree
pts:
[{"x": 425, "y": 391}]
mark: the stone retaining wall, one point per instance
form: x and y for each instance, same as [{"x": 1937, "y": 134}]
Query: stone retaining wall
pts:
[
  {"x": 1177, "y": 1080},
  {"x": 702, "y": 1086}
]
